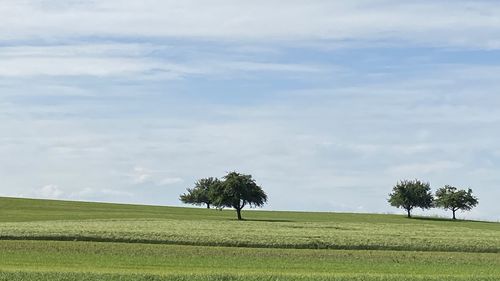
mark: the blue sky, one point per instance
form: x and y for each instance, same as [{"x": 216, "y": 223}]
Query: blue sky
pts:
[{"x": 328, "y": 104}]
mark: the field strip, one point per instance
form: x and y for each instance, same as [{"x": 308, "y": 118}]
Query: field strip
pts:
[
  {"x": 87, "y": 276},
  {"x": 116, "y": 258},
  {"x": 262, "y": 234},
  {"x": 312, "y": 245}
]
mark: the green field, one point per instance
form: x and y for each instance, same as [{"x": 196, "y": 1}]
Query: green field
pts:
[{"x": 58, "y": 240}]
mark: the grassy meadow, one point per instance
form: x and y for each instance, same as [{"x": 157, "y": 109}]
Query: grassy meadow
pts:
[{"x": 61, "y": 240}]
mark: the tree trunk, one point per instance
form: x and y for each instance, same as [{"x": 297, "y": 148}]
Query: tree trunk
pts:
[
  {"x": 454, "y": 214},
  {"x": 238, "y": 211},
  {"x": 208, "y": 205},
  {"x": 409, "y": 213}
]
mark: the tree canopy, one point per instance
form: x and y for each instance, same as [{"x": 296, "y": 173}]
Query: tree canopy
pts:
[
  {"x": 202, "y": 192},
  {"x": 454, "y": 199},
  {"x": 410, "y": 194},
  {"x": 238, "y": 191},
  {"x": 235, "y": 190}
]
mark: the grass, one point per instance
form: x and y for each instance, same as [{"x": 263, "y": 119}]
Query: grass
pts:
[
  {"x": 39, "y": 276},
  {"x": 172, "y": 260},
  {"x": 59, "y": 220},
  {"x": 313, "y": 235},
  {"x": 168, "y": 243}
]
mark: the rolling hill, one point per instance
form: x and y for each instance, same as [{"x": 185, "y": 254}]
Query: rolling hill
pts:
[{"x": 64, "y": 240}]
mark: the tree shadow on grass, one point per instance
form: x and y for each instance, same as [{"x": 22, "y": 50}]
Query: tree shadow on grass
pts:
[
  {"x": 432, "y": 219},
  {"x": 448, "y": 219},
  {"x": 268, "y": 220}
]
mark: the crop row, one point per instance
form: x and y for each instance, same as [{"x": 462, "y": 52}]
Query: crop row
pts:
[
  {"x": 314, "y": 235},
  {"x": 232, "y": 263},
  {"x": 49, "y": 276}
]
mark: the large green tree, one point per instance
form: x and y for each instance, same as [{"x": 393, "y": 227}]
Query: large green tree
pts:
[
  {"x": 410, "y": 194},
  {"x": 202, "y": 192},
  {"x": 238, "y": 191},
  {"x": 454, "y": 199}
]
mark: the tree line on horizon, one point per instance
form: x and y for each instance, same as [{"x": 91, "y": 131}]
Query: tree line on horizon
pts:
[
  {"x": 237, "y": 191},
  {"x": 410, "y": 194}
]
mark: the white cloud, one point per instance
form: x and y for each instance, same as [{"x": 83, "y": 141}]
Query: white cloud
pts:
[
  {"x": 13, "y": 67},
  {"x": 170, "y": 181},
  {"x": 86, "y": 59},
  {"x": 102, "y": 50},
  {"x": 259, "y": 66},
  {"x": 50, "y": 191},
  {"x": 124, "y": 60},
  {"x": 424, "y": 169},
  {"x": 91, "y": 193},
  {"x": 423, "y": 22},
  {"x": 141, "y": 175}
]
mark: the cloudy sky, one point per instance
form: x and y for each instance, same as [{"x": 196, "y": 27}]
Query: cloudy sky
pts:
[{"x": 327, "y": 103}]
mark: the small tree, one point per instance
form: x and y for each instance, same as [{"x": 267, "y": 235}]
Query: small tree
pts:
[
  {"x": 237, "y": 191},
  {"x": 451, "y": 198},
  {"x": 410, "y": 194},
  {"x": 201, "y": 193}
]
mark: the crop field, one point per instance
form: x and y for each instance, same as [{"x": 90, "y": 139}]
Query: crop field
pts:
[{"x": 60, "y": 240}]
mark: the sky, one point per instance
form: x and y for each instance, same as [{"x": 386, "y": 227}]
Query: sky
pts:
[{"x": 328, "y": 104}]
